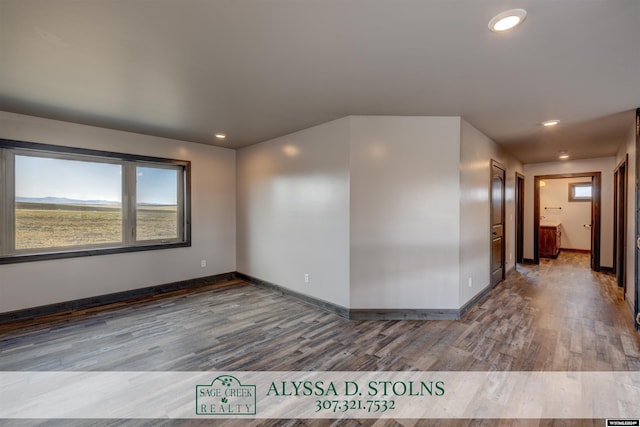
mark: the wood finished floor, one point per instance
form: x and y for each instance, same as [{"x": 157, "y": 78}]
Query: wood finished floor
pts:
[{"x": 556, "y": 316}]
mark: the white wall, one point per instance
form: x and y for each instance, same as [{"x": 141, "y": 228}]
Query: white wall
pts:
[
  {"x": 629, "y": 148},
  {"x": 372, "y": 207},
  {"x": 573, "y": 215},
  {"x": 405, "y": 212},
  {"x": 476, "y": 154},
  {"x": 605, "y": 165},
  {"x": 38, "y": 283},
  {"x": 293, "y": 211}
]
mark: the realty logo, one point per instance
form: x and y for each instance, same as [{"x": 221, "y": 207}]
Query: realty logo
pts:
[{"x": 225, "y": 396}]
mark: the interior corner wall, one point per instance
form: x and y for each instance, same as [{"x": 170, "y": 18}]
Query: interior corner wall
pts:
[
  {"x": 476, "y": 153},
  {"x": 293, "y": 211},
  {"x": 213, "y": 216},
  {"x": 606, "y": 166},
  {"x": 629, "y": 149},
  {"x": 404, "y": 212}
]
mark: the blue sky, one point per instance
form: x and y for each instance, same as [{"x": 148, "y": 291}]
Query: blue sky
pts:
[
  {"x": 157, "y": 186},
  {"x": 80, "y": 180}
]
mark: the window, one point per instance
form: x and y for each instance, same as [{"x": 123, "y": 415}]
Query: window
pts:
[
  {"x": 156, "y": 204},
  {"x": 580, "y": 192},
  {"x": 61, "y": 202}
]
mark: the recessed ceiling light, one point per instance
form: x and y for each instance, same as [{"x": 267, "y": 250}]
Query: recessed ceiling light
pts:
[
  {"x": 550, "y": 123},
  {"x": 220, "y": 136},
  {"x": 507, "y": 20},
  {"x": 563, "y": 155}
]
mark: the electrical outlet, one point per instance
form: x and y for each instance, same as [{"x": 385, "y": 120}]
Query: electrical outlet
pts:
[
  {"x": 203, "y": 263},
  {"x": 470, "y": 281},
  {"x": 306, "y": 277}
]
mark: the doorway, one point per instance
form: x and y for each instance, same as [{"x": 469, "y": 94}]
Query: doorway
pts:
[
  {"x": 498, "y": 173},
  {"x": 620, "y": 224},
  {"x": 595, "y": 213}
]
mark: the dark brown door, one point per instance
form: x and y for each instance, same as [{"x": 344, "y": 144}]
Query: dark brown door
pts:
[
  {"x": 519, "y": 218},
  {"x": 497, "y": 223},
  {"x": 620, "y": 223},
  {"x": 595, "y": 221}
]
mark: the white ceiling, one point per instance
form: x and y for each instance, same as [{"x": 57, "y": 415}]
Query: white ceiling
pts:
[{"x": 258, "y": 69}]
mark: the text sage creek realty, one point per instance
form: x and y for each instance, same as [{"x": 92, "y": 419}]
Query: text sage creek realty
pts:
[{"x": 353, "y": 388}]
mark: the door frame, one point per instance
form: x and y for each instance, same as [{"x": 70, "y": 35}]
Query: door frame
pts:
[
  {"x": 596, "y": 208},
  {"x": 620, "y": 223},
  {"x": 519, "y": 226},
  {"x": 495, "y": 163}
]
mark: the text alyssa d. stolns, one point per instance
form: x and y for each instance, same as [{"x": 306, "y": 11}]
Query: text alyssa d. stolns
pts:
[
  {"x": 351, "y": 396},
  {"x": 353, "y": 388}
]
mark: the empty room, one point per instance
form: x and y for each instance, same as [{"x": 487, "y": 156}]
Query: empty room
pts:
[{"x": 319, "y": 212}]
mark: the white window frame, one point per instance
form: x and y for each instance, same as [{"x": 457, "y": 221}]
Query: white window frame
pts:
[{"x": 128, "y": 162}]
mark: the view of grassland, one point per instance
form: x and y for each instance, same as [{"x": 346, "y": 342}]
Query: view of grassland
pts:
[
  {"x": 156, "y": 222},
  {"x": 46, "y": 225}
]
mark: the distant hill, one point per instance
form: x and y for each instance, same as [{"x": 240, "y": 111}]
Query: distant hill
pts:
[{"x": 63, "y": 201}]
